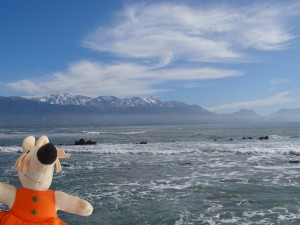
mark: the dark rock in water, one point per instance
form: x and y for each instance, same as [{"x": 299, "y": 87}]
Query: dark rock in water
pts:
[
  {"x": 264, "y": 138},
  {"x": 294, "y": 161},
  {"x": 83, "y": 142},
  {"x": 244, "y": 138},
  {"x": 294, "y": 153},
  {"x": 185, "y": 163},
  {"x": 80, "y": 142},
  {"x": 89, "y": 142},
  {"x": 294, "y": 136},
  {"x": 142, "y": 142},
  {"x": 65, "y": 165}
]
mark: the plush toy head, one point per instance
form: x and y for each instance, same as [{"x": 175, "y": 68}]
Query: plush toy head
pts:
[{"x": 36, "y": 165}]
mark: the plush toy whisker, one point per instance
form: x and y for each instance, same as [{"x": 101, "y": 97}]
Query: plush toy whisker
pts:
[
  {"x": 18, "y": 163},
  {"x": 60, "y": 154},
  {"x": 26, "y": 163},
  {"x": 22, "y": 163},
  {"x": 58, "y": 166}
]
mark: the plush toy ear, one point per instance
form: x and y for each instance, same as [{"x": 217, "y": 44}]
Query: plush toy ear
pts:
[
  {"x": 28, "y": 143},
  {"x": 42, "y": 141}
]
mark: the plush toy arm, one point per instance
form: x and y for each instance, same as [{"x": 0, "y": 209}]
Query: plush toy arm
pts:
[
  {"x": 7, "y": 194},
  {"x": 72, "y": 204}
]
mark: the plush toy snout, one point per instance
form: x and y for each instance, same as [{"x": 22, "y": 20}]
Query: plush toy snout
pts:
[{"x": 47, "y": 154}]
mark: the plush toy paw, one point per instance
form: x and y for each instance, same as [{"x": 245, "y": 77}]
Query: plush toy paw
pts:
[{"x": 84, "y": 208}]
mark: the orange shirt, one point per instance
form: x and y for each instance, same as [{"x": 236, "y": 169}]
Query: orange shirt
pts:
[{"x": 31, "y": 208}]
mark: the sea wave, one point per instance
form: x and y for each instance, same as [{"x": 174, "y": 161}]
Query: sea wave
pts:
[
  {"x": 270, "y": 147},
  {"x": 113, "y": 132}
]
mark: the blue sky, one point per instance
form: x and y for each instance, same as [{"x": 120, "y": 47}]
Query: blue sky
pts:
[{"x": 220, "y": 55}]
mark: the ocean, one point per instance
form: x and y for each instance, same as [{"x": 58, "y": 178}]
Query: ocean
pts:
[{"x": 174, "y": 175}]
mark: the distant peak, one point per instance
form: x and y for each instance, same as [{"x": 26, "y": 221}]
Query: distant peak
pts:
[{"x": 245, "y": 112}]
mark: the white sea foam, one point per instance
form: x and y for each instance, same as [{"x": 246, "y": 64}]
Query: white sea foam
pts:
[
  {"x": 114, "y": 132},
  {"x": 10, "y": 149},
  {"x": 252, "y": 148}
]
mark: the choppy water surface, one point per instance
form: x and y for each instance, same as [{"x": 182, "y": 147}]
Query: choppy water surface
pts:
[{"x": 183, "y": 175}]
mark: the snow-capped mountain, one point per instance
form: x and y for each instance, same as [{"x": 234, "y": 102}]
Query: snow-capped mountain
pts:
[
  {"x": 63, "y": 99},
  {"x": 110, "y": 102},
  {"x": 68, "y": 110}
]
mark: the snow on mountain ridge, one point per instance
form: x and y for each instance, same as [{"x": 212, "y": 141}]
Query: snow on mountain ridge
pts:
[
  {"x": 67, "y": 99},
  {"x": 63, "y": 99},
  {"x": 108, "y": 102}
]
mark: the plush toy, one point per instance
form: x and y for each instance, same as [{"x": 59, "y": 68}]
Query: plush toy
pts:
[{"x": 34, "y": 203}]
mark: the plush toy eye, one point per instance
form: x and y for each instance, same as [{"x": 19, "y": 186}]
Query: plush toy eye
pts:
[{"x": 27, "y": 151}]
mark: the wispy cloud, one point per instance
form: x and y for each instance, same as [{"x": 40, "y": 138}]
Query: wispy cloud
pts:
[
  {"x": 274, "y": 100},
  {"x": 157, "y": 43},
  {"x": 127, "y": 79},
  {"x": 276, "y": 82},
  {"x": 195, "y": 33}
]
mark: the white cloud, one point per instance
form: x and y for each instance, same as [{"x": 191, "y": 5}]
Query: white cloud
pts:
[
  {"x": 195, "y": 33},
  {"x": 171, "y": 42},
  {"x": 274, "y": 100},
  {"x": 276, "y": 82},
  {"x": 127, "y": 79}
]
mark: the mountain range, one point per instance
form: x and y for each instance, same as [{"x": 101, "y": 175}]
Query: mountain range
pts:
[
  {"x": 112, "y": 104},
  {"x": 62, "y": 109}
]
